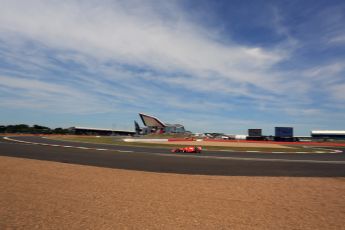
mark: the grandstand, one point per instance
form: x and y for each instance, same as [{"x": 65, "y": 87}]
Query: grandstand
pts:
[
  {"x": 328, "y": 134},
  {"x": 99, "y": 131}
]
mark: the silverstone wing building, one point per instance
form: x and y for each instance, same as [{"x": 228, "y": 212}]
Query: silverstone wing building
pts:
[{"x": 154, "y": 125}]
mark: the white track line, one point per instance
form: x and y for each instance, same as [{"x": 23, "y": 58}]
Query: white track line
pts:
[
  {"x": 199, "y": 156},
  {"x": 82, "y": 148},
  {"x": 68, "y": 146}
]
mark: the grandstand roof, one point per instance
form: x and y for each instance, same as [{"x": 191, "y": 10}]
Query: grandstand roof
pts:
[
  {"x": 99, "y": 129},
  {"x": 328, "y": 132}
]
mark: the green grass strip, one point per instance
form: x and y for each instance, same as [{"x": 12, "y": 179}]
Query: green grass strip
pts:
[{"x": 118, "y": 141}]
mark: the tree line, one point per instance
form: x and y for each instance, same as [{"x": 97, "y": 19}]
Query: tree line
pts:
[{"x": 35, "y": 129}]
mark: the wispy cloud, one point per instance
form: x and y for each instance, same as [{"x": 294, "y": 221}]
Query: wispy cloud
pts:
[
  {"x": 339, "y": 39},
  {"x": 141, "y": 37}
]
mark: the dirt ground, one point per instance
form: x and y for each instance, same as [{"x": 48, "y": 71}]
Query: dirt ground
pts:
[
  {"x": 227, "y": 144},
  {"x": 46, "y": 195}
]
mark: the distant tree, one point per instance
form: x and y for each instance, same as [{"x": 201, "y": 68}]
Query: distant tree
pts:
[
  {"x": 21, "y": 128},
  {"x": 35, "y": 129},
  {"x": 39, "y": 127},
  {"x": 60, "y": 131}
]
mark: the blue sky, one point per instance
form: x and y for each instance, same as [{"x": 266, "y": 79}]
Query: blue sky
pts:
[{"x": 217, "y": 66}]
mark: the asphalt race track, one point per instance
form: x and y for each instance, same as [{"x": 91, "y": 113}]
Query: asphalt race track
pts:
[{"x": 161, "y": 160}]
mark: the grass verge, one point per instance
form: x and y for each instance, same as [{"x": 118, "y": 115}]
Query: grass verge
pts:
[{"x": 115, "y": 140}]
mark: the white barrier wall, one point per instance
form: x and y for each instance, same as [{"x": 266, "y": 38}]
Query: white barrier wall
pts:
[{"x": 144, "y": 140}]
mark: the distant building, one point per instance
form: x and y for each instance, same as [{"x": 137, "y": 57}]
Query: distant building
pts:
[
  {"x": 255, "y": 135},
  {"x": 154, "y": 125},
  {"x": 328, "y": 134},
  {"x": 283, "y": 134},
  {"x": 255, "y": 132}
]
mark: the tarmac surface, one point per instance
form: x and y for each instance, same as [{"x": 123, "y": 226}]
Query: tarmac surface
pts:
[{"x": 163, "y": 161}]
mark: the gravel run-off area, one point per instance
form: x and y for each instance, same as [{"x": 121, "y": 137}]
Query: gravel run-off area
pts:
[{"x": 47, "y": 195}]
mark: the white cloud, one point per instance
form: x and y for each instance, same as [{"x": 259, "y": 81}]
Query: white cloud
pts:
[
  {"x": 325, "y": 71},
  {"x": 330, "y": 81},
  {"x": 339, "y": 39},
  {"x": 33, "y": 85},
  {"x": 31, "y": 93},
  {"x": 338, "y": 92},
  {"x": 140, "y": 36}
]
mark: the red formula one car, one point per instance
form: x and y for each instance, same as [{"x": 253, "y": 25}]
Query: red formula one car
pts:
[{"x": 189, "y": 149}]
